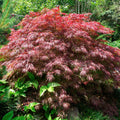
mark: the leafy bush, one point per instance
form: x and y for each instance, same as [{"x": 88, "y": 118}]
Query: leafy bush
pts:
[
  {"x": 7, "y": 103},
  {"x": 11, "y": 99},
  {"x": 109, "y": 16},
  {"x": 49, "y": 87},
  {"x": 23, "y": 7},
  {"x": 10, "y": 95},
  {"x": 115, "y": 43},
  {"x": 62, "y": 47},
  {"x": 9, "y": 116}
]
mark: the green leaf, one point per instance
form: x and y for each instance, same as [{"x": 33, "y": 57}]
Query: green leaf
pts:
[
  {"x": 51, "y": 89},
  {"x": 1, "y": 94},
  {"x": 32, "y": 79},
  {"x": 32, "y": 109},
  {"x": 31, "y": 106},
  {"x": 19, "y": 93},
  {"x": 35, "y": 83},
  {"x": 6, "y": 93},
  {"x": 57, "y": 118},
  {"x": 102, "y": 36},
  {"x": 53, "y": 84},
  {"x": 22, "y": 94},
  {"x": 29, "y": 117},
  {"x": 27, "y": 84},
  {"x": 2, "y": 88},
  {"x": 26, "y": 108},
  {"x": 3, "y": 81},
  {"x": 1, "y": 46},
  {"x": 11, "y": 92},
  {"x": 8, "y": 116},
  {"x": 42, "y": 90},
  {"x": 53, "y": 111},
  {"x": 45, "y": 107},
  {"x": 4, "y": 72},
  {"x": 49, "y": 118},
  {"x": 2, "y": 59},
  {"x": 19, "y": 118},
  {"x": 4, "y": 68},
  {"x": 19, "y": 84},
  {"x": 31, "y": 76}
]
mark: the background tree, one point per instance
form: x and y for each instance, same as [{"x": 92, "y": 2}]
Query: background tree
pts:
[{"x": 6, "y": 21}]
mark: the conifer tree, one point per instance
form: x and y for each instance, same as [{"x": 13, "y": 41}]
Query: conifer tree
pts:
[{"x": 5, "y": 20}]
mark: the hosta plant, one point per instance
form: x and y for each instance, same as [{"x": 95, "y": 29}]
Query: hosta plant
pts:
[
  {"x": 49, "y": 87},
  {"x": 64, "y": 48},
  {"x": 9, "y": 116}
]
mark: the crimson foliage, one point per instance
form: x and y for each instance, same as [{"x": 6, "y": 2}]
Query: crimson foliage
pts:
[{"x": 62, "y": 44}]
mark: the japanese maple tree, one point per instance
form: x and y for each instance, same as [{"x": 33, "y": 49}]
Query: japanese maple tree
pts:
[{"x": 64, "y": 45}]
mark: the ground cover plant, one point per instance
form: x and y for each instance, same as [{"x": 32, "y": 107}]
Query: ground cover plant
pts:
[{"x": 62, "y": 48}]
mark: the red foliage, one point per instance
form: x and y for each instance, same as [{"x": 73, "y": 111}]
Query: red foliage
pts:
[{"x": 55, "y": 43}]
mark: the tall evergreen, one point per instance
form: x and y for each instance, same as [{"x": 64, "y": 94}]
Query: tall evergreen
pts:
[{"x": 5, "y": 20}]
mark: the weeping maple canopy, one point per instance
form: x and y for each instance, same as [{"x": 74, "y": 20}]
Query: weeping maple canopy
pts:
[{"x": 62, "y": 44}]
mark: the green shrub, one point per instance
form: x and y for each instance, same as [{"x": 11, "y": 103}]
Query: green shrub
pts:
[
  {"x": 114, "y": 43},
  {"x": 109, "y": 16},
  {"x": 23, "y": 7},
  {"x": 6, "y": 21}
]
